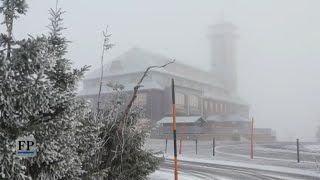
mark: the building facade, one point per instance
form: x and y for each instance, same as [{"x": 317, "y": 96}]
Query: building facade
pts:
[{"x": 211, "y": 95}]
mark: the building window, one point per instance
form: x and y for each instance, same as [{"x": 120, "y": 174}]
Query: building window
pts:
[
  {"x": 225, "y": 108},
  {"x": 221, "y": 107},
  {"x": 206, "y": 105},
  {"x": 180, "y": 100},
  {"x": 211, "y": 107},
  {"x": 141, "y": 99},
  {"x": 217, "y": 109},
  {"x": 194, "y": 101}
]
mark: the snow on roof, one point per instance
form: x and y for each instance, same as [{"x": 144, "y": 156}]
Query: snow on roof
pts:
[
  {"x": 181, "y": 119},
  {"x": 231, "y": 99},
  {"x": 138, "y": 60},
  {"x": 228, "y": 117},
  {"x": 127, "y": 87},
  {"x": 134, "y": 60}
]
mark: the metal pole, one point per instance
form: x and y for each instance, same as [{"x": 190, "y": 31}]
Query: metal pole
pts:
[
  {"x": 196, "y": 146},
  {"x": 166, "y": 145},
  {"x": 174, "y": 132},
  {"x": 298, "y": 151},
  {"x": 213, "y": 146},
  {"x": 180, "y": 146}
]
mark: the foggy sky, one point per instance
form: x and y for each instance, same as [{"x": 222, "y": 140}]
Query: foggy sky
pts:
[{"x": 278, "y": 46}]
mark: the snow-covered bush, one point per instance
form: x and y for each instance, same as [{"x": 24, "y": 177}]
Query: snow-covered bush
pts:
[
  {"x": 122, "y": 155},
  {"x": 37, "y": 97}
]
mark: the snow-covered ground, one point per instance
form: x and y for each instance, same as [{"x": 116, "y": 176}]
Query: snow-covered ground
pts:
[
  {"x": 165, "y": 174},
  {"x": 276, "y": 157},
  {"x": 249, "y": 165},
  {"x": 313, "y": 148}
]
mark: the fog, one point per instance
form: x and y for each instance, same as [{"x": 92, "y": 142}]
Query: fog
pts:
[{"x": 278, "y": 48}]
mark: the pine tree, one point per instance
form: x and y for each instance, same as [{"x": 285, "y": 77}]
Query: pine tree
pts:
[
  {"x": 37, "y": 98},
  {"x": 37, "y": 92}
]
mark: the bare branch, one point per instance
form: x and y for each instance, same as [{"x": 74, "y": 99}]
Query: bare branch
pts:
[
  {"x": 106, "y": 46},
  {"x": 138, "y": 85}
]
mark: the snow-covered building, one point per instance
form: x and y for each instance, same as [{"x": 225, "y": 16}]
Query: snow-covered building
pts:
[{"x": 211, "y": 95}]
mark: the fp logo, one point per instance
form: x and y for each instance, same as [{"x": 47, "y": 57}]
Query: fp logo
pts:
[{"x": 26, "y": 147}]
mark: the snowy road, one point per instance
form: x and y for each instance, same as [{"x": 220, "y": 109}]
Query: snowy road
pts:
[{"x": 198, "y": 170}]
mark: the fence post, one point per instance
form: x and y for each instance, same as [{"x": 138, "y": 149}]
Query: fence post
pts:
[
  {"x": 298, "y": 151},
  {"x": 213, "y": 146},
  {"x": 181, "y": 138},
  {"x": 251, "y": 143},
  {"x": 180, "y": 146},
  {"x": 166, "y": 145},
  {"x": 196, "y": 146}
]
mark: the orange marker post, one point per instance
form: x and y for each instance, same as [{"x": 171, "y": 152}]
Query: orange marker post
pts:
[
  {"x": 181, "y": 138},
  {"x": 174, "y": 132}
]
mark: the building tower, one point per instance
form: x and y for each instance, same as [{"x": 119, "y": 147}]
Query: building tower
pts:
[{"x": 222, "y": 38}]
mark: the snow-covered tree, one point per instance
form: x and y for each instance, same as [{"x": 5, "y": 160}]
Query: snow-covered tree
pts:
[
  {"x": 37, "y": 98},
  {"x": 37, "y": 92},
  {"x": 122, "y": 155}
]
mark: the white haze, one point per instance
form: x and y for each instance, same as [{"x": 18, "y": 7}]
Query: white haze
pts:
[{"x": 278, "y": 46}]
